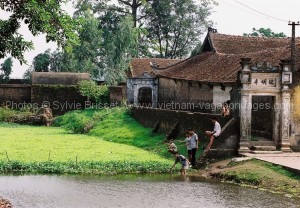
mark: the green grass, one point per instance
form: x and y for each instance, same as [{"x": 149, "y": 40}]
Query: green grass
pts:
[
  {"x": 94, "y": 137},
  {"x": 117, "y": 125},
  {"x": 54, "y": 150},
  {"x": 263, "y": 175},
  {"x": 33, "y": 144},
  {"x": 6, "y": 115}
]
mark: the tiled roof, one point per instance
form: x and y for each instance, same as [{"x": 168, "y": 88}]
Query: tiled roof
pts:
[
  {"x": 232, "y": 44},
  {"x": 217, "y": 67},
  {"x": 219, "y": 60},
  {"x": 140, "y": 65}
]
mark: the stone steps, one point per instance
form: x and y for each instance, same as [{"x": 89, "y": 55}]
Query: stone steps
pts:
[
  {"x": 265, "y": 152},
  {"x": 262, "y": 143},
  {"x": 263, "y": 148}
]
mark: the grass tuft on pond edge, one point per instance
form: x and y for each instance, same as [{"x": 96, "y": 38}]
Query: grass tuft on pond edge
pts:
[{"x": 98, "y": 168}]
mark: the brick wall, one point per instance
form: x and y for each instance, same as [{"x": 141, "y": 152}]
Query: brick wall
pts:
[
  {"x": 15, "y": 94},
  {"x": 58, "y": 78},
  {"x": 117, "y": 94},
  {"x": 60, "y": 98},
  {"x": 186, "y": 95},
  {"x": 200, "y": 122}
]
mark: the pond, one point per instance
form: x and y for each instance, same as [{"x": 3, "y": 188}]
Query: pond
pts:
[{"x": 157, "y": 191}]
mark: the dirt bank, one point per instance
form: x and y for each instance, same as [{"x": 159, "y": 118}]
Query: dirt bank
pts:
[
  {"x": 4, "y": 203},
  {"x": 256, "y": 174}
]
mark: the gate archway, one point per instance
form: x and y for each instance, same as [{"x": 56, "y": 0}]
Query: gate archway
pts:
[{"x": 145, "y": 97}]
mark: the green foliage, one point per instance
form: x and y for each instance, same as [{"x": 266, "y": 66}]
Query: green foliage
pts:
[
  {"x": 196, "y": 50},
  {"x": 41, "y": 62},
  {"x": 117, "y": 125},
  {"x": 175, "y": 26},
  {"x": 27, "y": 75},
  {"x": 75, "y": 122},
  {"x": 97, "y": 93},
  {"x": 71, "y": 167},
  {"x": 165, "y": 28},
  {"x": 53, "y": 150},
  {"x": 119, "y": 47},
  {"x": 6, "y": 69},
  {"x": 281, "y": 170},
  {"x": 84, "y": 57},
  {"x": 262, "y": 175},
  {"x": 41, "y": 17},
  {"x": 6, "y": 114},
  {"x": 105, "y": 48},
  {"x": 265, "y": 32}
]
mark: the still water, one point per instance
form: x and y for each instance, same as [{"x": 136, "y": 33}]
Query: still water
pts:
[{"x": 132, "y": 191}]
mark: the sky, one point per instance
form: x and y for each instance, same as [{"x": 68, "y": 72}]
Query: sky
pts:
[{"x": 233, "y": 17}]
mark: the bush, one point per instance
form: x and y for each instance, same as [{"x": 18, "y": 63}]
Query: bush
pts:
[
  {"x": 6, "y": 114},
  {"x": 75, "y": 122},
  {"x": 80, "y": 121},
  {"x": 97, "y": 93}
]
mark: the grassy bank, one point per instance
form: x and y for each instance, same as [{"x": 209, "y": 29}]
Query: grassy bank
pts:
[
  {"x": 262, "y": 175},
  {"x": 116, "y": 125},
  {"x": 54, "y": 150}
]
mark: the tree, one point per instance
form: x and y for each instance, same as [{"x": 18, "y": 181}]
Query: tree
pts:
[
  {"x": 41, "y": 16},
  {"x": 57, "y": 61},
  {"x": 41, "y": 62},
  {"x": 105, "y": 48},
  {"x": 168, "y": 28},
  {"x": 86, "y": 54},
  {"x": 95, "y": 93},
  {"x": 6, "y": 69},
  {"x": 196, "y": 50},
  {"x": 175, "y": 26},
  {"x": 27, "y": 75},
  {"x": 118, "y": 48},
  {"x": 123, "y": 8},
  {"x": 264, "y": 32}
]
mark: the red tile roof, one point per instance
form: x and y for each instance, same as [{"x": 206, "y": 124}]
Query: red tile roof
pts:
[
  {"x": 140, "y": 65},
  {"x": 219, "y": 60},
  {"x": 217, "y": 67},
  {"x": 232, "y": 44}
]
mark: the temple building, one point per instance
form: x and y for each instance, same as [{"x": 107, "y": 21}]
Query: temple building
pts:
[{"x": 254, "y": 73}]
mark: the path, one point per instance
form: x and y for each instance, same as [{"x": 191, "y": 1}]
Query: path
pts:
[{"x": 289, "y": 160}]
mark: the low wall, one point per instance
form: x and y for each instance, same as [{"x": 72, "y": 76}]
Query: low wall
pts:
[
  {"x": 58, "y": 97},
  {"x": 58, "y": 78},
  {"x": 200, "y": 122},
  {"x": 14, "y": 94},
  {"x": 117, "y": 94}
]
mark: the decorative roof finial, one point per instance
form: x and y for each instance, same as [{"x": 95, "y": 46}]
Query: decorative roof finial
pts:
[{"x": 212, "y": 30}]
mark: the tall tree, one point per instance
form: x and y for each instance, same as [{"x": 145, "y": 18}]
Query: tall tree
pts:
[
  {"x": 6, "y": 69},
  {"x": 118, "y": 48},
  {"x": 41, "y": 17},
  {"x": 175, "y": 26},
  {"x": 105, "y": 48},
  {"x": 265, "y": 32},
  {"x": 27, "y": 74},
  {"x": 41, "y": 62},
  {"x": 123, "y": 8},
  {"x": 86, "y": 54},
  {"x": 169, "y": 28}
]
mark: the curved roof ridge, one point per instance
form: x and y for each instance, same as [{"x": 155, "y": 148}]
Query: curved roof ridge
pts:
[
  {"x": 262, "y": 37},
  {"x": 144, "y": 58}
]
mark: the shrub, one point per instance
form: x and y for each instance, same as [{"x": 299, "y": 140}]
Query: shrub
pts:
[
  {"x": 6, "y": 114},
  {"x": 97, "y": 93},
  {"x": 74, "y": 122}
]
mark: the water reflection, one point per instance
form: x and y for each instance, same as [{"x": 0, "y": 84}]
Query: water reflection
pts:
[{"x": 132, "y": 191}]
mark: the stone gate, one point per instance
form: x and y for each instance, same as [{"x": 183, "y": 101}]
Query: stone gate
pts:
[{"x": 264, "y": 121}]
